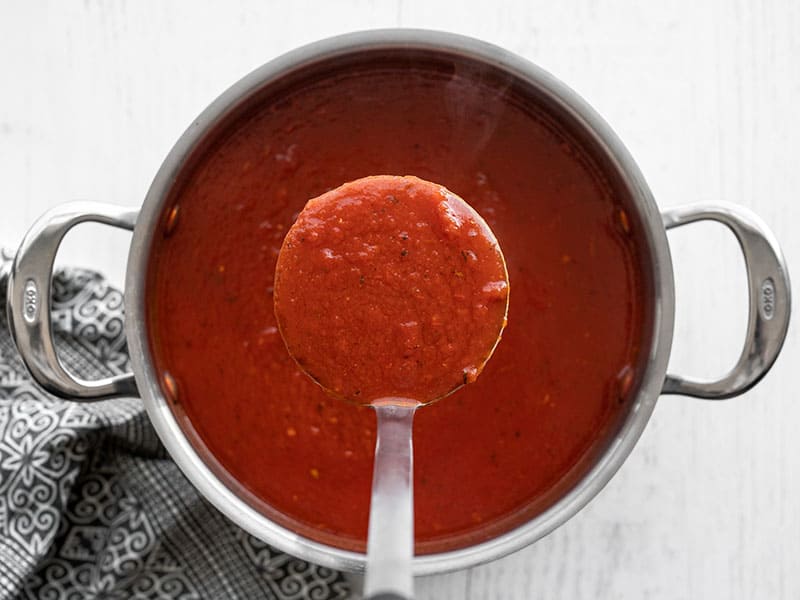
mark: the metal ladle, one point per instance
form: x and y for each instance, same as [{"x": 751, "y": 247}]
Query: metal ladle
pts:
[{"x": 390, "y": 541}]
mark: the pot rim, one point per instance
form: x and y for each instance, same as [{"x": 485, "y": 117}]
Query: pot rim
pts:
[{"x": 170, "y": 431}]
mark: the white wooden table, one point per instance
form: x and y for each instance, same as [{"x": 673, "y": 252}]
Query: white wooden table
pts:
[{"x": 705, "y": 95}]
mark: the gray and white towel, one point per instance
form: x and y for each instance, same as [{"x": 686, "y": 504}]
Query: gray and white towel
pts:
[{"x": 91, "y": 506}]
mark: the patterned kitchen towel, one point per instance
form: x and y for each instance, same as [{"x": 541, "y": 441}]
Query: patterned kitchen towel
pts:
[{"x": 91, "y": 506}]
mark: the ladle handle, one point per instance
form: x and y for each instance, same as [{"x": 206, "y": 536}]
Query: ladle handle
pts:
[
  {"x": 770, "y": 299},
  {"x": 390, "y": 542},
  {"x": 29, "y": 297}
]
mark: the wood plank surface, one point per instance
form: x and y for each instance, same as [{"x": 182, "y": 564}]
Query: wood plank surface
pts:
[{"x": 704, "y": 94}]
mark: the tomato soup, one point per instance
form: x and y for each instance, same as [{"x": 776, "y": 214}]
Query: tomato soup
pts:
[
  {"x": 493, "y": 454},
  {"x": 390, "y": 287}
]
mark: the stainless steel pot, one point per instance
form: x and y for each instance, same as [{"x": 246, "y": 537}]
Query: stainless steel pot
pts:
[{"x": 29, "y": 293}]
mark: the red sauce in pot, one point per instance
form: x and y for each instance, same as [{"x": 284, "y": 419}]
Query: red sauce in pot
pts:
[
  {"x": 495, "y": 452},
  {"x": 390, "y": 287}
]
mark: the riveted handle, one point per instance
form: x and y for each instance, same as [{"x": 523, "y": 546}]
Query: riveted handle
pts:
[
  {"x": 29, "y": 298},
  {"x": 769, "y": 293}
]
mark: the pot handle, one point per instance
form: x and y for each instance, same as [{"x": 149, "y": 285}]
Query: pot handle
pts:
[
  {"x": 29, "y": 300},
  {"x": 770, "y": 299}
]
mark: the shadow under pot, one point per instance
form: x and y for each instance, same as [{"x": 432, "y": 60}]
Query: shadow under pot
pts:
[{"x": 559, "y": 407}]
